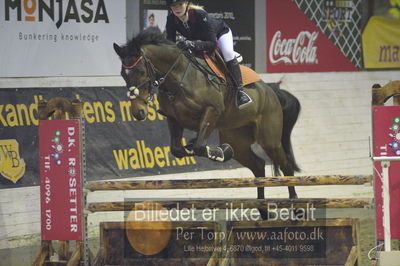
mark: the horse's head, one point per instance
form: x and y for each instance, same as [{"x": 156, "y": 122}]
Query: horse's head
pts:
[
  {"x": 138, "y": 72},
  {"x": 135, "y": 71}
]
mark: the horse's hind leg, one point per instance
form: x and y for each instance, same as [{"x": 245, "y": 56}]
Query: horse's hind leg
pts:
[
  {"x": 278, "y": 156},
  {"x": 241, "y": 140},
  {"x": 269, "y": 138}
]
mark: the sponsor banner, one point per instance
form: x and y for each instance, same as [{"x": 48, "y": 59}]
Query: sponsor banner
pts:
[
  {"x": 60, "y": 180},
  {"x": 117, "y": 146},
  {"x": 386, "y": 130},
  {"x": 235, "y": 14},
  {"x": 381, "y": 46},
  {"x": 12, "y": 166},
  {"x": 302, "y": 46},
  {"x": 47, "y": 38}
]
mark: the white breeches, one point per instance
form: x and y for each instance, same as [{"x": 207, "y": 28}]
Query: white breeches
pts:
[{"x": 225, "y": 44}]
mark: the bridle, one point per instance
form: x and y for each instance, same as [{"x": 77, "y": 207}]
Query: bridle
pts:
[
  {"x": 155, "y": 83},
  {"x": 134, "y": 63}
]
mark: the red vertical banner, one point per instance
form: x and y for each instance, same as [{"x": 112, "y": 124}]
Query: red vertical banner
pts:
[
  {"x": 386, "y": 132},
  {"x": 60, "y": 179}
]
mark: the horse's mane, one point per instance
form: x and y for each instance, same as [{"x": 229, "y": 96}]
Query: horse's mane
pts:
[{"x": 148, "y": 36}]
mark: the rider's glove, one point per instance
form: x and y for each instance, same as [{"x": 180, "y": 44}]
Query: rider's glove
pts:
[{"x": 186, "y": 45}]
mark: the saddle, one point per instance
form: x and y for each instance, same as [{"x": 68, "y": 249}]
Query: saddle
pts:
[{"x": 217, "y": 65}]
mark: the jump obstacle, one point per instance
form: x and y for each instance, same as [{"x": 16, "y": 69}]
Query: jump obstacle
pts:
[
  {"x": 229, "y": 183},
  {"x": 110, "y": 229},
  {"x": 234, "y": 183},
  {"x": 351, "y": 259}
]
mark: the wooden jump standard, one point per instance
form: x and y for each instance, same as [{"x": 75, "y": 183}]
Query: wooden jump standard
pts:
[{"x": 234, "y": 183}]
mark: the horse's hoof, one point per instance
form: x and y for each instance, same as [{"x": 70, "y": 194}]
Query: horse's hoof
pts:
[
  {"x": 179, "y": 153},
  {"x": 293, "y": 196},
  {"x": 227, "y": 151},
  {"x": 189, "y": 149},
  {"x": 221, "y": 153},
  {"x": 264, "y": 214},
  {"x": 215, "y": 154}
]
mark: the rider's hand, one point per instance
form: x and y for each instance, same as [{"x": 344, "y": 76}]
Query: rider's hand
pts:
[{"x": 186, "y": 45}]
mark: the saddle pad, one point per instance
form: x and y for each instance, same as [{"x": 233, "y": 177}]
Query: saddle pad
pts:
[
  {"x": 248, "y": 75},
  {"x": 211, "y": 63}
]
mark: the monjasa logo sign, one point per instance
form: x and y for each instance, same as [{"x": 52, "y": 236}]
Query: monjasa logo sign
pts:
[{"x": 59, "y": 11}]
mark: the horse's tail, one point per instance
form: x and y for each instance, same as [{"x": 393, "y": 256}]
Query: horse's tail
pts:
[
  {"x": 291, "y": 108},
  {"x": 290, "y": 116}
]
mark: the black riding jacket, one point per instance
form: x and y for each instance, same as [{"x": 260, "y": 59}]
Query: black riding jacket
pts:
[{"x": 200, "y": 27}]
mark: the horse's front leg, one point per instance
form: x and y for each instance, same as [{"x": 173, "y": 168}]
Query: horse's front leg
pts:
[
  {"x": 176, "y": 131},
  {"x": 207, "y": 125}
]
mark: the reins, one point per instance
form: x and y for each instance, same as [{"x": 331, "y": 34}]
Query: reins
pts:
[
  {"x": 210, "y": 75},
  {"x": 133, "y": 92},
  {"x": 155, "y": 83}
]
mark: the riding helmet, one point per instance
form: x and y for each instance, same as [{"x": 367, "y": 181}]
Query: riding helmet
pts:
[{"x": 171, "y": 2}]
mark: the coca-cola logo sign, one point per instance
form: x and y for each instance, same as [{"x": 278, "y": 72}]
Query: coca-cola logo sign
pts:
[{"x": 301, "y": 50}]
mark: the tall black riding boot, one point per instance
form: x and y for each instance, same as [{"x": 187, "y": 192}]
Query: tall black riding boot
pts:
[{"x": 242, "y": 98}]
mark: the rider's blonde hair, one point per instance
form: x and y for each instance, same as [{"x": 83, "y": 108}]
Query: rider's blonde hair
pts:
[
  {"x": 197, "y": 7},
  {"x": 191, "y": 6}
]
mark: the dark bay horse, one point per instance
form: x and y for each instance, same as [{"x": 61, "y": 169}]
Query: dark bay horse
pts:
[{"x": 191, "y": 100}]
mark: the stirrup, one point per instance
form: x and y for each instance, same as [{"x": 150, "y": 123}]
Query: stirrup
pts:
[{"x": 238, "y": 98}]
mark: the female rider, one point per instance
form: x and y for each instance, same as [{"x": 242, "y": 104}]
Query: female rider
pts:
[{"x": 204, "y": 33}]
